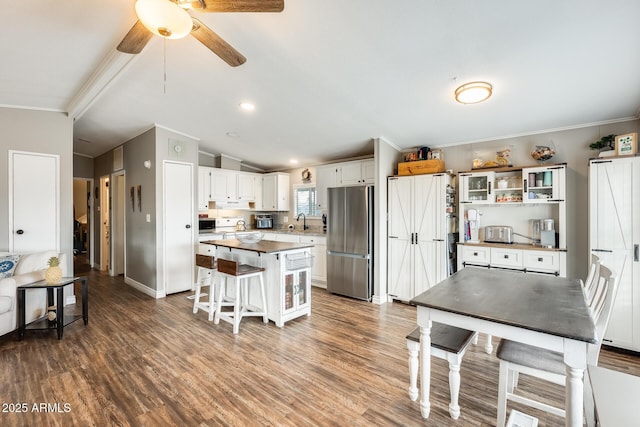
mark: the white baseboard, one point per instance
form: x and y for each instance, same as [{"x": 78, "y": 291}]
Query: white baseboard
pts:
[
  {"x": 144, "y": 288},
  {"x": 381, "y": 299}
]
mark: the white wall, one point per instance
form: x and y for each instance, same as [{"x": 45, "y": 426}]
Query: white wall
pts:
[{"x": 40, "y": 132}]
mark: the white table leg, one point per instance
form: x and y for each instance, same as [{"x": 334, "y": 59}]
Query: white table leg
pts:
[
  {"x": 488, "y": 346},
  {"x": 425, "y": 368},
  {"x": 454, "y": 384},
  {"x": 575, "y": 358},
  {"x": 414, "y": 351}
]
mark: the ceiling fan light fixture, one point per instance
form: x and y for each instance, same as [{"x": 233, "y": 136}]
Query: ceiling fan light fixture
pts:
[
  {"x": 473, "y": 92},
  {"x": 164, "y": 18}
]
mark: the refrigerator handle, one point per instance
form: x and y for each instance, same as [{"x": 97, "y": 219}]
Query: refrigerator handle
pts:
[
  {"x": 412, "y": 238},
  {"x": 636, "y": 253}
]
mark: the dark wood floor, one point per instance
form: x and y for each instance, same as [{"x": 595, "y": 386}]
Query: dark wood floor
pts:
[{"x": 147, "y": 362}]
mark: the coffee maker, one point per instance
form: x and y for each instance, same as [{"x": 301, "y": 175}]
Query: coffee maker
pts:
[{"x": 547, "y": 233}]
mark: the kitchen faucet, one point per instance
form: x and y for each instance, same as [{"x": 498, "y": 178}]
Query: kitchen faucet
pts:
[{"x": 304, "y": 220}]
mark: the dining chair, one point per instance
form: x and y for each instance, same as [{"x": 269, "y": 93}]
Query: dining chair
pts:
[
  {"x": 589, "y": 285},
  {"x": 516, "y": 358},
  {"x": 448, "y": 343}
]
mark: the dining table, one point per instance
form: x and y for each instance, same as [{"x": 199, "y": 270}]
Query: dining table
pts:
[{"x": 542, "y": 310}]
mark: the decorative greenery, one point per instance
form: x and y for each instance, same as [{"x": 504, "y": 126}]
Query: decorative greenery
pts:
[
  {"x": 53, "y": 261},
  {"x": 606, "y": 142}
]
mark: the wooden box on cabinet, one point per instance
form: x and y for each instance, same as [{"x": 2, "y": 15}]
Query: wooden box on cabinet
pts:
[{"x": 421, "y": 167}]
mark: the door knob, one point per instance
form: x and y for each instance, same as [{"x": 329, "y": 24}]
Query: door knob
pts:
[{"x": 20, "y": 232}]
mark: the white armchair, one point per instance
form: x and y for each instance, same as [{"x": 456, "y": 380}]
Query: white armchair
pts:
[{"x": 30, "y": 268}]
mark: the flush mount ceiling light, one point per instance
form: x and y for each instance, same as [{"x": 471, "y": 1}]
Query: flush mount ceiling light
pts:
[
  {"x": 164, "y": 18},
  {"x": 474, "y": 92},
  {"x": 247, "y": 106}
]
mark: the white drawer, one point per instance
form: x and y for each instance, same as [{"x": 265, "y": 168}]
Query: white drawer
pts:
[
  {"x": 503, "y": 257},
  {"x": 291, "y": 238},
  {"x": 546, "y": 261},
  {"x": 316, "y": 240},
  {"x": 475, "y": 254},
  {"x": 206, "y": 249}
]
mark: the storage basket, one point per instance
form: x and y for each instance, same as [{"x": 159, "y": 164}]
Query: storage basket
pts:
[
  {"x": 298, "y": 261},
  {"x": 206, "y": 261}
]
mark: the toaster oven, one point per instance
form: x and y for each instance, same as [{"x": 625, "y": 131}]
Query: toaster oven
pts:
[
  {"x": 263, "y": 221},
  {"x": 498, "y": 234}
]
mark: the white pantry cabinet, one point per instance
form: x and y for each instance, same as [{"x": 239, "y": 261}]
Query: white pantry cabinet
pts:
[
  {"x": 614, "y": 236},
  {"x": 418, "y": 224}
]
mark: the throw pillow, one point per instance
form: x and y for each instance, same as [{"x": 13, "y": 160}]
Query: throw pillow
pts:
[{"x": 8, "y": 264}]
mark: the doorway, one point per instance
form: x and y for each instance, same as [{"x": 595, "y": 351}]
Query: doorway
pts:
[
  {"x": 82, "y": 225},
  {"x": 105, "y": 237}
]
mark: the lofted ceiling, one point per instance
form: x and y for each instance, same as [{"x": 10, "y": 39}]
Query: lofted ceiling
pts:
[{"x": 326, "y": 76}]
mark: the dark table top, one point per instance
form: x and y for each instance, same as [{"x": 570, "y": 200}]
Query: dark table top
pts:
[
  {"x": 263, "y": 246},
  {"x": 549, "y": 304},
  {"x": 43, "y": 284}
]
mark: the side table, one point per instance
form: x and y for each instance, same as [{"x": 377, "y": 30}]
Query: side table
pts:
[{"x": 61, "y": 320}]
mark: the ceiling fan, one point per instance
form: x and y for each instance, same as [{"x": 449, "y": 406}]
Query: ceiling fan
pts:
[{"x": 170, "y": 19}]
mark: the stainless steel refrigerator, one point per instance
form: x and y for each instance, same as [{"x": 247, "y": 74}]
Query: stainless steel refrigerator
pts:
[{"x": 350, "y": 241}]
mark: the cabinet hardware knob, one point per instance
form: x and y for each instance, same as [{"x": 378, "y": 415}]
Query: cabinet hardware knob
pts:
[
  {"x": 475, "y": 254},
  {"x": 20, "y": 232},
  {"x": 188, "y": 226},
  {"x": 506, "y": 257},
  {"x": 539, "y": 259}
]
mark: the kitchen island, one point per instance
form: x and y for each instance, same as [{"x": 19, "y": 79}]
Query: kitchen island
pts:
[{"x": 287, "y": 273}]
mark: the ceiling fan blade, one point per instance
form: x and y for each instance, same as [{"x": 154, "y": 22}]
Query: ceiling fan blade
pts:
[
  {"x": 242, "y": 6},
  {"x": 136, "y": 39},
  {"x": 216, "y": 44}
]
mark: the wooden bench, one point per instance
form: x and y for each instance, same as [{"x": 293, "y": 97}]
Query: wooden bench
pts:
[{"x": 448, "y": 343}]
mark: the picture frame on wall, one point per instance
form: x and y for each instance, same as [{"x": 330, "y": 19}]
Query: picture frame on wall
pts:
[{"x": 627, "y": 144}]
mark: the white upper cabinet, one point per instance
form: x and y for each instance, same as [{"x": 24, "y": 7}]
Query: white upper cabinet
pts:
[
  {"x": 275, "y": 192},
  {"x": 224, "y": 185},
  {"x": 247, "y": 186},
  {"x": 477, "y": 187},
  {"x": 326, "y": 177},
  {"x": 544, "y": 184},
  {"x": 204, "y": 187},
  {"x": 357, "y": 172}
]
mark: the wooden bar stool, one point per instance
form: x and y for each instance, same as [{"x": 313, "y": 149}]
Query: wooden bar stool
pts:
[
  {"x": 448, "y": 343},
  {"x": 241, "y": 274},
  {"x": 206, "y": 277}
]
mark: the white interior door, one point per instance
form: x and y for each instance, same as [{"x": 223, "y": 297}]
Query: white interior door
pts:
[
  {"x": 179, "y": 249},
  {"x": 34, "y": 202}
]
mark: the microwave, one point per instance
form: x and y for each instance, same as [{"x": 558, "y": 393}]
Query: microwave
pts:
[
  {"x": 263, "y": 221},
  {"x": 206, "y": 224}
]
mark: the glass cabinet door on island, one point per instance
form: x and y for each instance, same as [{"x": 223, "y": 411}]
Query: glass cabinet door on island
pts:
[
  {"x": 296, "y": 289},
  {"x": 477, "y": 187}
]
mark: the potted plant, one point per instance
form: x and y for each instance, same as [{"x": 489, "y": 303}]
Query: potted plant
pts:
[
  {"x": 605, "y": 143},
  {"x": 53, "y": 274}
]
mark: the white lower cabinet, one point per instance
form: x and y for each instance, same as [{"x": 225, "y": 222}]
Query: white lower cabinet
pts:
[{"x": 525, "y": 260}]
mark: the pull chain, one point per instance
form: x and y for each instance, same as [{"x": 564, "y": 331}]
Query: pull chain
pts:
[{"x": 164, "y": 65}]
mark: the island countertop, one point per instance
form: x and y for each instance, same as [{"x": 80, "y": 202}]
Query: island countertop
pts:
[{"x": 263, "y": 246}]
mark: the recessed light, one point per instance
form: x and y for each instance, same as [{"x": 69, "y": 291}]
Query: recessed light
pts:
[
  {"x": 293, "y": 161},
  {"x": 247, "y": 106}
]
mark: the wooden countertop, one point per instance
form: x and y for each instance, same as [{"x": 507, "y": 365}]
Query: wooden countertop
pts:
[
  {"x": 525, "y": 246},
  {"x": 263, "y": 246}
]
